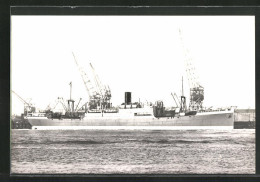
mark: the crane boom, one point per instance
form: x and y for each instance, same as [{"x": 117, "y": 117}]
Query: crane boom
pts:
[
  {"x": 97, "y": 97},
  {"x": 28, "y": 107},
  {"x": 63, "y": 104},
  {"x": 88, "y": 84},
  {"x": 53, "y": 107},
  {"x": 174, "y": 100},
  {"x": 196, "y": 90},
  {"x": 98, "y": 82},
  {"x": 104, "y": 91},
  {"x": 78, "y": 105},
  {"x": 189, "y": 67},
  {"x": 177, "y": 98},
  {"x": 28, "y": 104}
]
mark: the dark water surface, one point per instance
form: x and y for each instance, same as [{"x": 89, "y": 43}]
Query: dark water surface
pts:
[{"x": 133, "y": 151}]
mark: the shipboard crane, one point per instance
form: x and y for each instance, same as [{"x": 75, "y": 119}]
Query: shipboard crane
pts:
[
  {"x": 78, "y": 105},
  {"x": 49, "y": 107},
  {"x": 175, "y": 100},
  {"x": 196, "y": 90},
  {"x": 61, "y": 100}
]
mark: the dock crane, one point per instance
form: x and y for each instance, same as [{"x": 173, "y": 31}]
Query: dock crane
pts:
[
  {"x": 98, "y": 83},
  {"x": 99, "y": 96},
  {"x": 104, "y": 91},
  {"x": 94, "y": 96},
  {"x": 196, "y": 90},
  {"x": 85, "y": 78},
  {"x": 28, "y": 107}
]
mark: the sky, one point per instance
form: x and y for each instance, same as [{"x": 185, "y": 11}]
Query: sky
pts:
[{"x": 139, "y": 54}]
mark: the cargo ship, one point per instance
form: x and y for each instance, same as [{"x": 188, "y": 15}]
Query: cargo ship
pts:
[
  {"x": 207, "y": 120},
  {"x": 98, "y": 112},
  {"x": 133, "y": 116}
]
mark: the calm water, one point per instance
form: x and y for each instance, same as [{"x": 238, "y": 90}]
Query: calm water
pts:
[{"x": 133, "y": 152}]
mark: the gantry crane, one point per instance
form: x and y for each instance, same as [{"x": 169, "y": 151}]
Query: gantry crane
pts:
[{"x": 196, "y": 90}]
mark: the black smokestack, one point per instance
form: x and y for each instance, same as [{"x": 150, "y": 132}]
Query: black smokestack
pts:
[{"x": 128, "y": 99}]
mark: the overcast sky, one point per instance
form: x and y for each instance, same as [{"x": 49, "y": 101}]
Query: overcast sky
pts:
[{"x": 140, "y": 54}]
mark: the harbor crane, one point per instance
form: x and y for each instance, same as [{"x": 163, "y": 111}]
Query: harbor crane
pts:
[
  {"x": 87, "y": 82},
  {"x": 99, "y": 95},
  {"x": 98, "y": 83},
  {"x": 196, "y": 90},
  {"x": 28, "y": 107},
  {"x": 94, "y": 96},
  {"x": 103, "y": 90}
]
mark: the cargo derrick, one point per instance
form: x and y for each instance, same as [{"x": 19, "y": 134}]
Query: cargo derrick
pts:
[
  {"x": 49, "y": 108},
  {"x": 196, "y": 90},
  {"x": 70, "y": 111},
  {"x": 173, "y": 96}
]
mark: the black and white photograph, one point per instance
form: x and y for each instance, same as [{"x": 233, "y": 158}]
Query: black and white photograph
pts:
[{"x": 132, "y": 94}]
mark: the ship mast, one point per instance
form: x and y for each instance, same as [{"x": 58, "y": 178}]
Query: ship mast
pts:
[
  {"x": 70, "y": 89},
  {"x": 71, "y": 101},
  {"x": 183, "y": 100}
]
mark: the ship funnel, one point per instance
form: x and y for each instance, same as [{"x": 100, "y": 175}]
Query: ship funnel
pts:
[{"x": 128, "y": 99}]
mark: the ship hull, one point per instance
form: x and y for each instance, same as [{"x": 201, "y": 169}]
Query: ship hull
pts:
[{"x": 208, "y": 120}]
